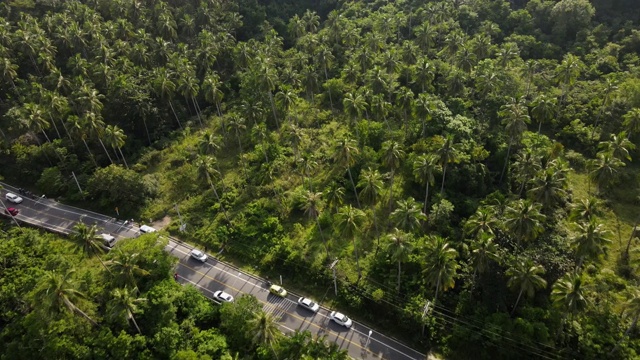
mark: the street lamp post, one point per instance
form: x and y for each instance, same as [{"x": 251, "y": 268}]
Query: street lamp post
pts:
[{"x": 369, "y": 337}]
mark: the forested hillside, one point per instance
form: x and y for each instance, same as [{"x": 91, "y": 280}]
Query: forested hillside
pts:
[{"x": 476, "y": 159}]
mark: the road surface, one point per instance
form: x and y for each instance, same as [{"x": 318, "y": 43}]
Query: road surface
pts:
[{"x": 361, "y": 342}]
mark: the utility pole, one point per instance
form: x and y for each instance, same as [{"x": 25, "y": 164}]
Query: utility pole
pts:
[
  {"x": 335, "y": 281},
  {"x": 424, "y": 313}
]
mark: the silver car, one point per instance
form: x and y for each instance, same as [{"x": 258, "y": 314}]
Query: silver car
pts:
[
  {"x": 199, "y": 255},
  {"x": 11, "y": 197}
]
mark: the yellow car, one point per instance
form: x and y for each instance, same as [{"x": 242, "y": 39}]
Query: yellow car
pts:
[{"x": 278, "y": 290}]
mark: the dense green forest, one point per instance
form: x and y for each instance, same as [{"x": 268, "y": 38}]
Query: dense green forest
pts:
[
  {"x": 478, "y": 156},
  {"x": 63, "y": 299}
]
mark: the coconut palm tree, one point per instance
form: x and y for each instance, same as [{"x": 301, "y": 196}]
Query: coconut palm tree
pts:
[
  {"x": 586, "y": 210},
  {"x": 526, "y": 166},
  {"x": 631, "y": 121},
  {"x": 407, "y": 215},
  {"x": 212, "y": 87},
  {"x": 543, "y": 108},
  {"x": 205, "y": 165},
  {"x": 604, "y": 170},
  {"x": 312, "y": 205},
  {"x": 124, "y": 303},
  {"x": 548, "y": 187},
  {"x": 399, "y": 245},
  {"x": 371, "y": 184},
  {"x": 447, "y": 154},
  {"x": 126, "y": 268},
  {"x": 483, "y": 252},
  {"x": 344, "y": 155},
  {"x": 115, "y": 137},
  {"x": 524, "y": 220},
  {"x": 483, "y": 221},
  {"x": 524, "y": 277},
  {"x": 348, "y": 222},
  {"x": 88, "y": 240},
  {"x": 618, "y": 146},
  {"x": 392, "y": 156},
  {"x": 515, "y": 119},
  {"x": 567, "y": 293},
  {"x": 423, "y": 168},
  {"x": 440, "y": 265},
  {"x": 590, "y": 241},
  {"x": 631, "y": 310},
  {"x": 263, "y": 329},
  {"x": 59, "y": 292}
]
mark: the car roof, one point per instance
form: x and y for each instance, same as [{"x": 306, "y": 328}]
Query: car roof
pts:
[{"x": 196, "y": 252}]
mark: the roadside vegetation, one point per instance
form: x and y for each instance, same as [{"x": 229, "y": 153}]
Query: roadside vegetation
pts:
[{"x": 472, "y": 166}]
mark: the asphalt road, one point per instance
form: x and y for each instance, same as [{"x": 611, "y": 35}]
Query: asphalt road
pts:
[{"x": 216, "y": 275}]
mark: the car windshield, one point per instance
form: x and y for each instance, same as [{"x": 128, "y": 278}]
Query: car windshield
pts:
[
  {"x": 225, "y": 296},
  {"x": 308, "y": 302},
  {"x": 341, "y": 317}
]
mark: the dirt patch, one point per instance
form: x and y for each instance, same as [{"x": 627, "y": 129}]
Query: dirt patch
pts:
[{"x": 162, "y": 223}]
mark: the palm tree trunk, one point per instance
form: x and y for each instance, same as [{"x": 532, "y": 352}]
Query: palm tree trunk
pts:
[
  {"x": 426, "y": 197},
  {"x": 354, "y": 187},
  {"x": 517, "y": 301},
  {"x": 174, "y": 114},
  {"x": 195, "y": 106},
  {"x": 105, "y": 150},
  {"x": 435, "y": 299},
  {"x": 399, "y": 269},
  {"x": 135, "y": 323},
  {"x": 626, "y": 333},
  {"x": 444, "y": 174},
  {"x": 506, "y": 162},
  {"x": 146, "y": 129},
  {"x": 123, "y": 159},
  {"x": 273, "y": 108},
  {"x": 324, "y": 241},
  {"x": 355, "y": 251},
  {"x": 390, "y": 205},
  {"x": 90, "y": 153}
]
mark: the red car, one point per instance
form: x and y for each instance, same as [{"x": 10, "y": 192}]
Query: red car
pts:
[{"x": 11, "y": 211}]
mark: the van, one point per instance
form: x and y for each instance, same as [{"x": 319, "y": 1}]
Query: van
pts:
[
  {"x": 147, "y": 229},
  {"x": 108, "y": 240}
]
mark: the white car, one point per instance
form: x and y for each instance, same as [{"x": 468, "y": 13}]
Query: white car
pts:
[
  {"x": 11, "y": 197},
  {"x": 308, "y": 304},
  {"x": 145, "y": 229},
  {"x": 341, "y": 319},
  {"x": 223, "y": 296},
  {"x": 199, "y": 255}
]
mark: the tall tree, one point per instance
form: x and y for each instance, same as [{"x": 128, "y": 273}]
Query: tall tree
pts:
[
  {"x": 447, "y": 154},
  {"x": 124, "y": 303},
  {"x": 524, "y": 277},
  {"x": 524, "y": 220},
  {"x": 483, "y": 221},
  {"x": 483, "y": 252},
  {"x": 59, "y": 292},
  {"x": 399, "y": 245},
  {"x": 312, "y": 205},
  {"x": 126, "y": 268},
  {"x": 515, "y": 119},
  {"x": 423, "y": 168},
  {"x": 568, "y": 294},
  {"x": 88, "y": 240},
  {"x": 543, "y": 108},
  {"x": 348, "y": 222},
  {"x": 371, "y": 184},
  {"x": 618, "y": 146},
  {"x": 407, "y": 215},
  {"x": 440, "y": 265},
  {"x": 115, "y": 137},
  {"x": 590, "y": 241},
  {"x": 392, "y": 157},
  {"x": 604, "y": 170},
  {"x": 344, "y": 155}
]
